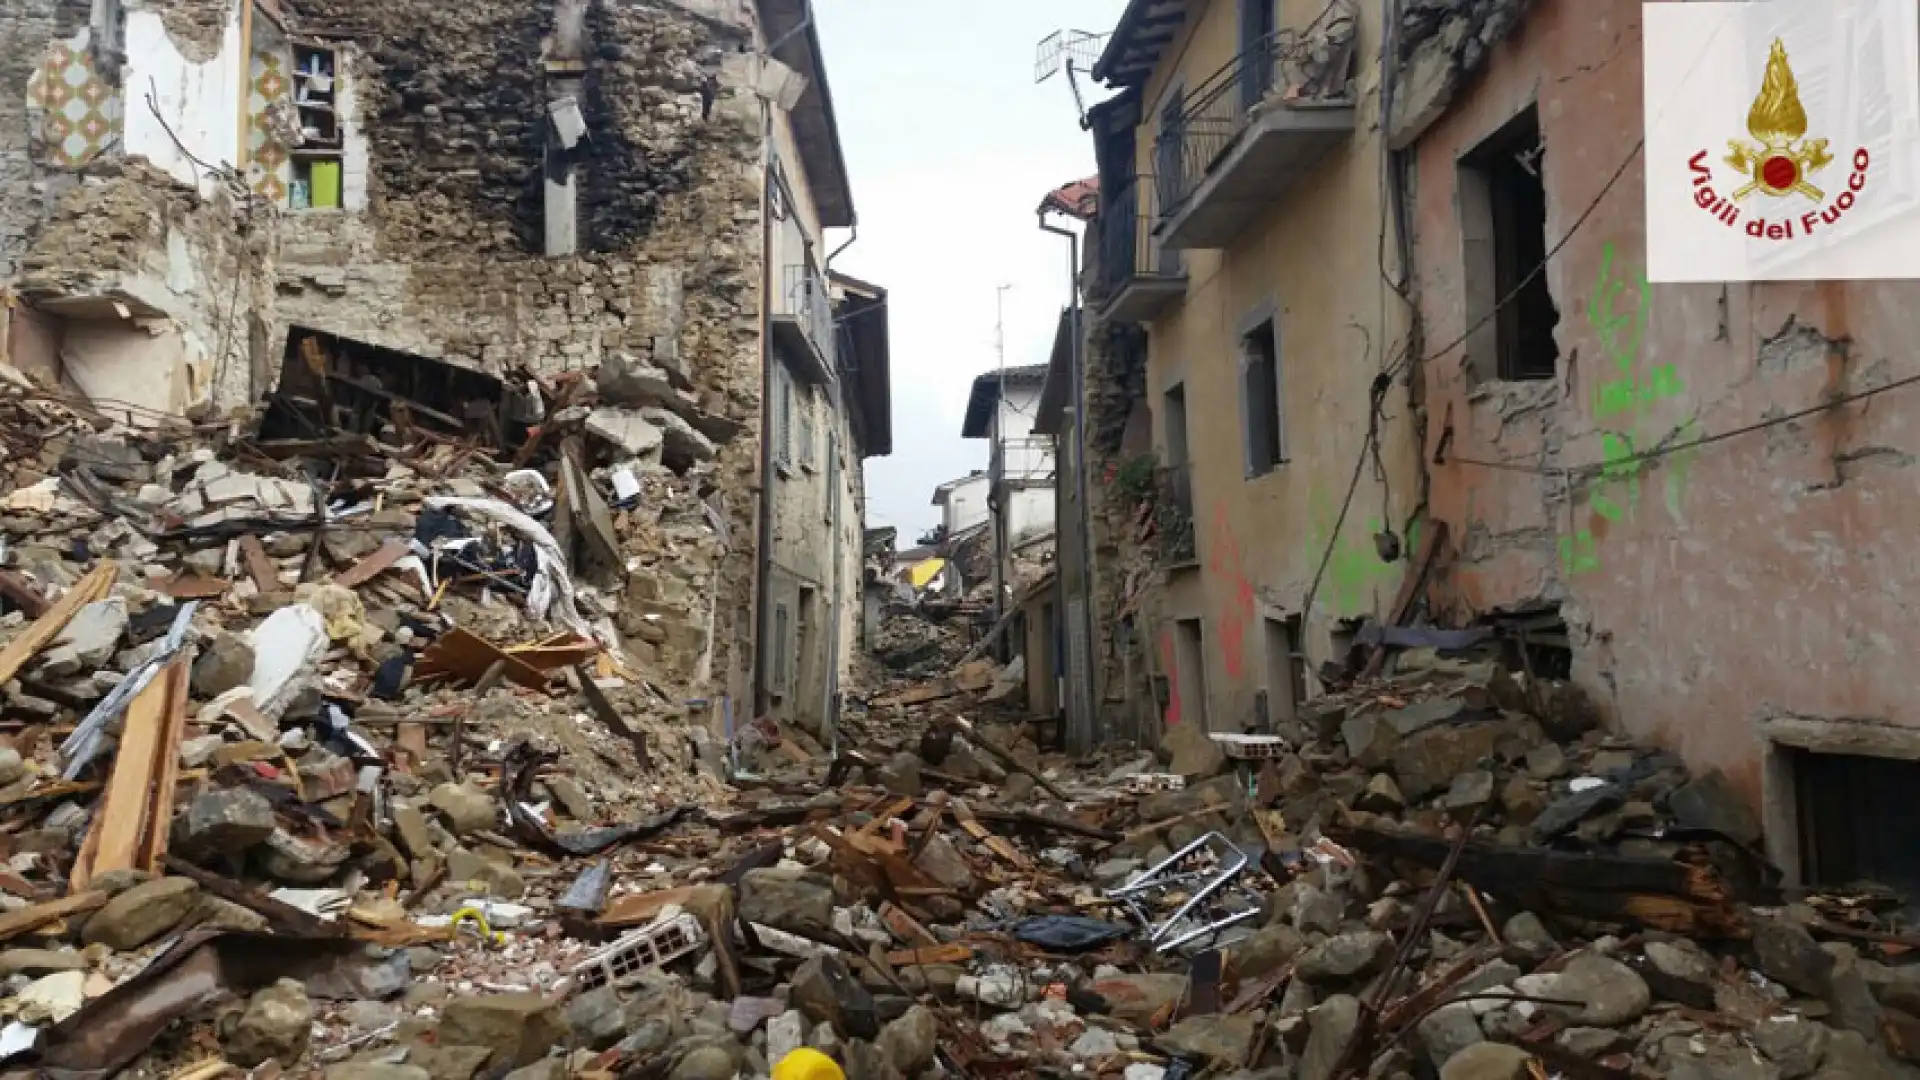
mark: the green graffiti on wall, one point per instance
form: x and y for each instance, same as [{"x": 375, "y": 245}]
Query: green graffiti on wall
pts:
[
  {"x": 1619, "y": 405},
  {"x": 1354, "y": 568}
]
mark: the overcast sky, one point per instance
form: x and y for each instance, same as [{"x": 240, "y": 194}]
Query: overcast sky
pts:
[{"x": 950, "y": 146}]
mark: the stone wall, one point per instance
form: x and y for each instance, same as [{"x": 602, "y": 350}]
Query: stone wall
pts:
[
  {"x": 447, "y": 259},
  {"x": 27, "y": 189}
]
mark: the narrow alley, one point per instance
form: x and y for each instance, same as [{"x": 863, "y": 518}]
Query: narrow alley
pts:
[{"x": 500, "y": 580}]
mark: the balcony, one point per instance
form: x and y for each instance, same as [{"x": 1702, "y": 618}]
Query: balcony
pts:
[
  {"x": 1139, "y": 276},
  {"x": 1024, "y": 459},
  {"x": 1250, "y": 132},
  {"x": 803, "y": 318},
  {"x": 802, "y": 314},
  {"x": 1173, "y": 516}
]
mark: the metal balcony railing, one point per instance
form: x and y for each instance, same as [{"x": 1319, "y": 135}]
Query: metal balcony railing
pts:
[
  {"x": 1128, "y": 248},
  {"x": 804, "y": 298},
  {"x": 1173, "y": 515},
  {"x": 1309, "y": 65}
]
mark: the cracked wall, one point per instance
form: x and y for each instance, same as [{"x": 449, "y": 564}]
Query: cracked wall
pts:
[
  {"x": 1710, "y": 587},
  {"x": 446, "y": 258}
]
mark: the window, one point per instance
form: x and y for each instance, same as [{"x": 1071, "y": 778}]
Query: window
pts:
[
  {"x": 1176, "y": 426},
  {"x": 1169, "y": 152},
  {"x": 804, "y": 404},
  {"x": 1256, "y": 51},
  {"x": 782, "y": 651},
  {"x": 1835, "y": 794},
  {"x": 1262, "y": 411},
  {"x": 1286, "y": 669},
  {"x": 833, "y": 480},
  {"x": 1503, "y": 230},
  {"x": 317, "y": 160},
  {"x": 782, "y": 415},
  {"x": 1190, "y": 671}
]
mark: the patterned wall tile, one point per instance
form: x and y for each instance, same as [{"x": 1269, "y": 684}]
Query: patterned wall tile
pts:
[
  {"x": 77, "y": 111},
  {"x": 269, "y": 103}
]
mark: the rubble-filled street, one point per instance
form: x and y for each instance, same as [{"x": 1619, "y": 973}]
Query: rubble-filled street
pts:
[
  {"x": 480, "y": 598},
  {"x": 372, "y": 799}
]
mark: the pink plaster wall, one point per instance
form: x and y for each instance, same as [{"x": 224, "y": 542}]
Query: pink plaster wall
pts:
[{"x": 1772, "y": 573}]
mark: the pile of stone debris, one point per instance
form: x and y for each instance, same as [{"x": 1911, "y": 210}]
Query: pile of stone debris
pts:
[
  {"x": 1448, "y": 872},
  {"x": 347, "y": 779}
]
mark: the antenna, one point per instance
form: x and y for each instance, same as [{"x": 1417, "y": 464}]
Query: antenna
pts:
[{"x": 1068, "y": 51}]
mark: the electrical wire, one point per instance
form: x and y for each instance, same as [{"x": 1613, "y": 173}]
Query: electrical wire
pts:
[{"x": 1599, "y": 469}]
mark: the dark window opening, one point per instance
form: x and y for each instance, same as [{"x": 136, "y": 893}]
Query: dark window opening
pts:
[
  {"x": 1261, "y": 410},
  {"x": 1856, "y": 820},
  {"x": 330, "y": 385},
  {"x": 1190, "y": 672},
  {"x": 782, "y": 651},
  {"x": 1286, "y": 687},
  {"x": 1169, "y": 152},
  {"x": 1256, "y": 50},
  {"x": 1504, "y": 231}
]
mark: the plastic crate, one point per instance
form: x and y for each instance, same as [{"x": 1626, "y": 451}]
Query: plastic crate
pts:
[{"x": 644, "y": 949}]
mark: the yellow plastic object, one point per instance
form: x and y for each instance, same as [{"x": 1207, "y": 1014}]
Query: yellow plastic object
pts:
[
  {"x": 474, "y": 915},
  {"x": 326, "y": 185},
  {"x": 924, "y": 571},
  {"x": 806, "y": 1063}
]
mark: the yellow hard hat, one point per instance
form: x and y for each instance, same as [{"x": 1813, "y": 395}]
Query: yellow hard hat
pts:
[{"x": 806, "y": 1063}]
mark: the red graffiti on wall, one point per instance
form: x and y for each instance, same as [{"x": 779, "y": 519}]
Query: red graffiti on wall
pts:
[
  {"x": 1223, "y": 558},
  {"x": 1172, "y": 718}
]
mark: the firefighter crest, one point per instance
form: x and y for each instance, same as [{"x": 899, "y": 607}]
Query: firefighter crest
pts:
[{"x": 1779, "y": 163}]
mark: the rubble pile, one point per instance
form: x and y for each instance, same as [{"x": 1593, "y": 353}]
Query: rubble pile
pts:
[
  {"x": 342, "y": 755},
  {"x": 1451, "y": 871}
]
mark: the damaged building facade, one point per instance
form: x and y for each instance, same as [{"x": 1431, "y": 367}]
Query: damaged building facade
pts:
[
  {"x": 1236, "y": 330},
  {"x": 1610, "y": 473},
  {"x": 484, "y": 220}
]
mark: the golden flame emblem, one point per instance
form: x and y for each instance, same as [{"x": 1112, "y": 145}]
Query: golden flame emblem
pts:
[{"x": 1781, "y": 159}]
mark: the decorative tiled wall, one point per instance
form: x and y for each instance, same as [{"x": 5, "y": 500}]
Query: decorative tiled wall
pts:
[
  {"x": 76, "y": 110},
  {"x": 269, "y": 169}
]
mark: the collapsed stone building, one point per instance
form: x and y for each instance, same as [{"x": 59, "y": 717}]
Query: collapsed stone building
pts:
[{"x": 426, "y": 212}]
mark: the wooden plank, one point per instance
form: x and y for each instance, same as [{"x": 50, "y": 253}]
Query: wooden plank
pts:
[
  {"x": 27, "y": 644},
  {"x": 373, "y": 565},
  {"x": 591, "y": 515},
  {"x": 906, "y": 927},
  {"x": 121, "y": 823},
  {"x": 464, "y": 656},
  {"x": 167, "y": 768},
  {"x": 262, "y": 569},
  {"x": 185, "y": 586},
  {"x": 996, "y": 844},
  {"x": 933, "y": 954},
  {"x": 639, "y": 909},
  {"x": 29, "y": 919}
]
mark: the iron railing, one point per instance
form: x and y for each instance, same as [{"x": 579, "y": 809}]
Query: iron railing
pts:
[
  {"x": 804, "y": 298},
  {"x": 1310, "y": 65},
  {"x": 1128, "y": 248},
  {"x": 1173, "y": 515}
]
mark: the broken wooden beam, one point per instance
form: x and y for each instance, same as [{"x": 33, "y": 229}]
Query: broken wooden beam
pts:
[
  {"x": 27, "y": 644},
  {"x": 1662, "y": 894}
]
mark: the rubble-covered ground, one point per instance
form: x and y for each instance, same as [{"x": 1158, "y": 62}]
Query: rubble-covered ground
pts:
[{"x": 337, "y": 778}]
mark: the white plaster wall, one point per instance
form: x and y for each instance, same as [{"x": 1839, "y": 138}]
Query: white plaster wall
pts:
[
  {"x": 201, "y": 102},
  {"x": 966, "y": 505},
  {"x": 1030, "y": 513}
]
